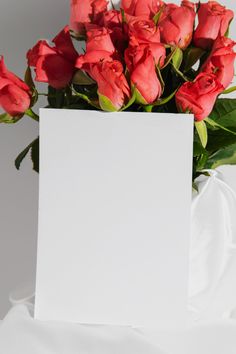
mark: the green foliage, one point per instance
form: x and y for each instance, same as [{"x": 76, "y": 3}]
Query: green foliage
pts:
[
  {"x": 221, "y": 145},
  {"x": 177, "y": 58},
  {"x": 224, "y": 113},
  {"x": 33, "y": 149},
  {"x": 225, "y": 156},
  {"x": 191, "y": 56},
  {"x": 202, "y": 132}
]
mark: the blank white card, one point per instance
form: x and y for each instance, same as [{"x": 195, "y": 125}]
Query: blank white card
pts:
[{"x": 114, "y": 217}]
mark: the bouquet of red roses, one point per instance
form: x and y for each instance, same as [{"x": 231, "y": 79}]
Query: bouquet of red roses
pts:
[{"x": 146, "y": 55}]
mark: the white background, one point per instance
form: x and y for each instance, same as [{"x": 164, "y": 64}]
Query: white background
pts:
[{"x": 22, "y": 23}]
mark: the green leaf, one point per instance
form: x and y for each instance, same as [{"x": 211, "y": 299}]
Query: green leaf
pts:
[
  {"x": 219, "y": 139},
  {"x": 201, "y": 162},
  {"x": 202, "y": 132},
  {"x": 191, "y": 56},
  {"x": 177, "y": 58},
  {"x": 28, "y": 78},
  {"x": 81, "y": 78},
  {"x": 224, "y": 113},
  {"x": 34, "y": 148},
  {"x": 229, "y": 90},
  {"x": 217, "y": 125},
  {"x": 198, "y": 149},
  {"x": 106, "y": 104},
  {"x": 226, "y": 156}
]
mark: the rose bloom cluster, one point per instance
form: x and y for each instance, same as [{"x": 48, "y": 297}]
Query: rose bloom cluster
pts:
[{"x": 130, "y": 53}]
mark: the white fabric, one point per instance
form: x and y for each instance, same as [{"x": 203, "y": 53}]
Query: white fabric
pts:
[
  {"x": 212, "y": 296},
  {"x": 20, "y": 334},
  {"x": 213, "y": 248}
]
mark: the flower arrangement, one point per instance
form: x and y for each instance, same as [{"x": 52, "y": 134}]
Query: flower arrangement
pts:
[{"x": 147, "y": 55}]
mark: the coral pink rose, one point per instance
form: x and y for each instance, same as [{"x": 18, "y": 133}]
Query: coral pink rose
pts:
[
  {"x": 221, "y": 61},
  {"x": 199, "y": 97},
  {"x": 54, "y": 65},
  {"x": 157, "y": 49},
  {"x": 15, "y": 95},
  {"x": 113, "y": 88},
  {"x": 99, "y": 39},
  {"x": 113, "y": 20},
  {"x": 141, "y": 8},
  {"x": 214, "y": 20},
  {"x": 84, "y": 12},
  {"x": 99, "y": 47},
  {"x": 145, "y": 31},
  {"x": 176, "y": 24},
  {"x": 141, "y": 65}
]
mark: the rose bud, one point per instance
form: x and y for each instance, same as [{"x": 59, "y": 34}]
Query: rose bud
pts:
[
  {"x": 113, "y": 20},
  {"x": 113, "y": 88},
  {"x": 99, "y": 47},
  {"x": 176, "y": 24},
  {"x": 144, "y": 31},
  {"x": 54, "y": 65},
  {"x": 221, "y": 61},
  {"x": 141, "y": 65},
  {"x": 84, "y": 12},
  {"x": 140, "y": 8},
  {"x": 15, "y": 95},
  {"x": 199, "y": 97},
  {"x": 157, "y": 49},
  {"x": 214, "y": 20}
]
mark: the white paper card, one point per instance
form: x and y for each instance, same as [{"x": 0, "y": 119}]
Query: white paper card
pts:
[{"x": 114, "y": 217}]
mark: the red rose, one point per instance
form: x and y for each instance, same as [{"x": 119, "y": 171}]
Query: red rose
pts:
[
  {"x": 221, "y": 61},
  {"x": 144, "y": 31},
  {"x": 141, "y": 8},
  {"x": 54, "y": 65},
  {"x": 113, "y": 89},
  {"x": 176, "y": 24},
  {"x": 157, "y": 49},
  {"x": 113, "y": 20},
  {"x": 15, "y": 95},
  {"x": 141, "y": 65},
  {"x": 99, "y": 47},
  {"x": 99, "y": 39},
  {"x": 84, "y": 12},
  {"x": 214, "y": 20},
  {"x": 199, "y": 97}
]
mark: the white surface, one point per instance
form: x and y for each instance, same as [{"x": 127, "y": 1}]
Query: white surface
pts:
[
  {"x": 20, "y": 333},
  {"x": 113, "y": 237}
]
